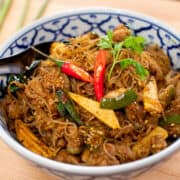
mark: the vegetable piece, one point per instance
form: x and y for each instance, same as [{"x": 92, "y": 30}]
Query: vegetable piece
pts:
[
  {"x": 146, "y": 141},
  {"x": 172, "y": 119},
  {"x": 106, "y": 116},
  {"x": 13, "y": 77},
  {"x": 167, "y": 95},
  {"x": 30, "y": 141},
  {"x": 76, "y": 72},
  {"x": 140, "y": 70},
  {"x": 67, "y": 104},
  {"x": 18, "y": 77},
  {"x": 150, "y": 98},
  {"x": 68, "y": 68},
  {"x": 135, "y": 43},
  {"x": 120, "y": 101},
  {"x": 115, "y": 51},
  {"x": 61, "y": 109},
  {"x": 74, "y": 144},
  {"x": 73, "y": 150},
  {"x": 14, "y": 88},
  {"x": 115, "y": 93},
  {"x": 99, "y": 72},
  {"x": 22, "y": 78},
  {"x": 106, "y": 42}
]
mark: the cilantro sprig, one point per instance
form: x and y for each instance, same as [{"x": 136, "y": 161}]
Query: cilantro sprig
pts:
[
  {"x": 106, "y": 42},
  {"x": 135, "y": 43}
]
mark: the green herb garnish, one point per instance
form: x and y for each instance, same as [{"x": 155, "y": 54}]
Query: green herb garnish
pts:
[
  {"x": 135, "y": 43},
  {"x": 13, "y": 77},
  {"x": 140, "y": 70},
  {"x": 18, "y": 77},
  {"x": 14, "y": 88},
  {"x": 106, "y": 42},
  {"x": 65, "y": 105},
  {"x": 115, "y": 51}
]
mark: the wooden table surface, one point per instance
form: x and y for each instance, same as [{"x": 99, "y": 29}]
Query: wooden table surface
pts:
[{"x": 12, "y": 166}]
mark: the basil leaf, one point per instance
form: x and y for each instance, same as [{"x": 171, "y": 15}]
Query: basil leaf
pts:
[
  {"x": 13, "y": 77},
  {"x": 65, "y": 104},
  {"x": 14, "y": 88},
  {"x": 18, "y": 77}
]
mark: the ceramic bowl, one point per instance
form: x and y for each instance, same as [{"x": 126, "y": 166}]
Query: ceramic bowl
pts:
[{"x": 74, "y": 23}]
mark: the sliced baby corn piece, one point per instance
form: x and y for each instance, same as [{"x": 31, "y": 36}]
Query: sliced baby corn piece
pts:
[
  {"x": 106, "y": 116},
  {"x": 150, "y": 98},
  {"x": 142, "y": 146},
  {"x": 30, "y": 141}
]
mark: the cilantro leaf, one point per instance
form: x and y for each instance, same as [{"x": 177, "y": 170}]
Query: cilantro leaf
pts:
[
  {"x": 117, "y": 48},
  {"x": 140, "y": 70},
  {"x": 106, "y": 42},
  {"x": 136, "y": 43}
]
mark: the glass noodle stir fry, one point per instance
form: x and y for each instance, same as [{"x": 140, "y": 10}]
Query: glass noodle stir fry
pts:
[{"x": 96, "y": 100}]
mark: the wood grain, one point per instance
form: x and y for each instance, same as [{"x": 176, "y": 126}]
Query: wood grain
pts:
[{"x": 14, "y": 167}]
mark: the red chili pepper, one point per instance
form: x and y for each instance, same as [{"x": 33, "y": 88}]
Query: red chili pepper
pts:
[
  {"x": 68, "y": 68},
  {"x": 99, "y": 72},
  {"x": 76, "y": 72}
]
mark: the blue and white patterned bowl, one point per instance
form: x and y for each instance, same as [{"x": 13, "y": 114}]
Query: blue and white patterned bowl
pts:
[{"x": 74, "y": 23}]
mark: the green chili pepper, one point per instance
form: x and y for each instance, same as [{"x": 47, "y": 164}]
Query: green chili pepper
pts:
[
  {"x": 120, "y": 101},
  {"x": 172, "y": 119},
  {"x": 65, "y": 104}
]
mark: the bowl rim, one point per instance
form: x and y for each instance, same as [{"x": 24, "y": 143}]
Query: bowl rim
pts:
[
  {"x": 64, "y": 13},
  {"x": 79, "y": 169}
]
